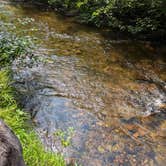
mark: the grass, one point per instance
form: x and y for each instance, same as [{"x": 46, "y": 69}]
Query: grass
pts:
[{"x": 33, "y": 151}]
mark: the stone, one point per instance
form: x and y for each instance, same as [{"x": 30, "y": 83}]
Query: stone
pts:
[
  {"x": 78, "y": 52},
  {"x": 162, "y": 106},
  {"x": 10, "y": 147},
  {"x": 136, "y": 135},
  {"x": 162, "y": 130},
  {"x": 101, "y": 149}
]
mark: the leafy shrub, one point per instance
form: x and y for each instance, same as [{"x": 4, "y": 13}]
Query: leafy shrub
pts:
[
  {"x": 141, "y": 16},
  {"x": 11, "y": 47}
]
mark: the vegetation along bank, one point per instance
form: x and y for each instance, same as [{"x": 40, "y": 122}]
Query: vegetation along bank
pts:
[
  {"x": 33, "y": 152},
  {"x": 137, "y": 18}
]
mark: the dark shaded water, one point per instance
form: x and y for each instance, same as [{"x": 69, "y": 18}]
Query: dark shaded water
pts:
[{"x": 110, "y": 93}]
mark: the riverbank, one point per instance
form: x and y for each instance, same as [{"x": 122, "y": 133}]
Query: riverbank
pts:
[
  {"x": 139, "y": 20},
  {"x": 33, "y": 151},
  {"x": 130, "y": 20}
]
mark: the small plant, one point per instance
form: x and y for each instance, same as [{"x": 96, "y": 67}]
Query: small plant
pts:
[
  {"x": 12, "y": 47},
  {"x": 65, "y": 136}
]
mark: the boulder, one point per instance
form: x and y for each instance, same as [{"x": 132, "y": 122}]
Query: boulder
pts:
[{"x": 10, "y": 147}]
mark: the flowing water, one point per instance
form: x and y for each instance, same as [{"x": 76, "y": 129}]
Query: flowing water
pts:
[{"x": 98, "y": 101}]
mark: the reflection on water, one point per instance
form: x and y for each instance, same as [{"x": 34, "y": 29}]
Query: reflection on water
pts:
[{"x": 112, "y": 93}]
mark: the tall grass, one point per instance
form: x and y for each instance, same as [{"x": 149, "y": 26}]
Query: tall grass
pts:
[{"x": 33, "y": 151}]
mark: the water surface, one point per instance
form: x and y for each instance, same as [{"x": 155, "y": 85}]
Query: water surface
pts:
[{"x": 111, "y": 93}]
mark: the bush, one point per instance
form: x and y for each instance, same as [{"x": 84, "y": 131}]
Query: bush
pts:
[
  {"x": 12, "y": 47},
  {"x": 141, "y": 16}
]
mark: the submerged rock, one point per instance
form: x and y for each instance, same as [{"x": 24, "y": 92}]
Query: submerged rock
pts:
[{"x": 10, "y": 147}]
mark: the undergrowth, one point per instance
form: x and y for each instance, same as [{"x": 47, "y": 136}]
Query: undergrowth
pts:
[{"x": 132, "y": 16}]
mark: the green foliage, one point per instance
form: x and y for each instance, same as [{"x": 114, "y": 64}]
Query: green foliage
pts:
[
  {"x": 65, "y": 136},
  {"x": 11, "y": 47},
  {"x": 141, "y": 16},
  {"x": 33, "y": 151}
]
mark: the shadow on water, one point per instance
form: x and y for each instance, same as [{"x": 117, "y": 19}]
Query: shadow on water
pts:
[{"x": 110, "y": 92}]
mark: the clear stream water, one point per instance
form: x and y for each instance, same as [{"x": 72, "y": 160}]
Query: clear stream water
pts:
[{"x": 110, "y": 93}]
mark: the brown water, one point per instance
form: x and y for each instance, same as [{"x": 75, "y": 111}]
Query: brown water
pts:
[{"x": 112, "y": 93}]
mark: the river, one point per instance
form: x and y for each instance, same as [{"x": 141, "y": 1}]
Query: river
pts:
[{"x": 98, "y": 101}]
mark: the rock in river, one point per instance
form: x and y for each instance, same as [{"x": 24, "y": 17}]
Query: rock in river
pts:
[{"x": 10, "y": 147}]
